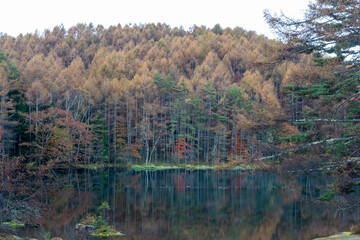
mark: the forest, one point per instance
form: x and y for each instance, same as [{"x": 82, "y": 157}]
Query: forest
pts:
[
  {"x": 151, "y": 93},
  {"x": 82, "y": 107}
]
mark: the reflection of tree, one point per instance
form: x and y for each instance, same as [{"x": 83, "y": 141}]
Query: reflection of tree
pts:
[
  {"x": 43, "y": 199},
  {"x": 17, "y": 199},
  {"x": 210, "y": 205},
  {"x": 179, "y": 204},
  {"x": 68, "y": 198}
]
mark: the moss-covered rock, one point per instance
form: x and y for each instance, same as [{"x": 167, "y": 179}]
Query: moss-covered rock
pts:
[
  {"x": 83, "y": 227},
  {"x": 105, "y": 232},
  {"x": 96, "y": 226},
  {"x": 88, "y": 220}
]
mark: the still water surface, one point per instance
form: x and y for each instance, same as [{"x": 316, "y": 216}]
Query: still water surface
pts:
[{"x": 200, "y": 204}]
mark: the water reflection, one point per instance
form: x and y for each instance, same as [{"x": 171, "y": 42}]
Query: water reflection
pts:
[{"x": 202, "y": 204}]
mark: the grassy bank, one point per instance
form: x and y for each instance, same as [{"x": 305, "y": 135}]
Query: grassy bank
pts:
[
  {"x": 352, "y": 235},
  {"x": 341, "y": 236},
  {"x": 153, "y": 167}
]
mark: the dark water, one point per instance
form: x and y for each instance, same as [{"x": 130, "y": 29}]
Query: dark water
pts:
[{"x": 201, "y": 204}]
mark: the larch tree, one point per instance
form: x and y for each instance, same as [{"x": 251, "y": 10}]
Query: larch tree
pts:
[{"x": 150, "y": 91}]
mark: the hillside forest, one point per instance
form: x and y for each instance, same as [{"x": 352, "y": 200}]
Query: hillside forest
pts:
[{"x": 151, "y": 93}]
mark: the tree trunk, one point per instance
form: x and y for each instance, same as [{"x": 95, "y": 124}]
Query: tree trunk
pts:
[{"x": 114, "y": 130}]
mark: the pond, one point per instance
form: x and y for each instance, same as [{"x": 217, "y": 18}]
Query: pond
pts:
[{"x": 199, "y": 204}]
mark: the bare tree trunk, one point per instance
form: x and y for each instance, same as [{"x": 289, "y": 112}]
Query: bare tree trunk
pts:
[
  {"x": 37, "y": 110},
  {"x": 114, "y": 129},
  {"x": 107, "y": 119}
]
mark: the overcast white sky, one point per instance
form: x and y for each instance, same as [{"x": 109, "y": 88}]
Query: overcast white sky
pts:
[{"x": 26, "y": 16}]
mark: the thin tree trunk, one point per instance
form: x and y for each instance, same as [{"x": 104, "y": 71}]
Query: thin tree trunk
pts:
[{"x": 114, "y": 130}]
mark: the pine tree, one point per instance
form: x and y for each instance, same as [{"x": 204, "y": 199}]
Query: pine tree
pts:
[{"x": 330, "y": 32}]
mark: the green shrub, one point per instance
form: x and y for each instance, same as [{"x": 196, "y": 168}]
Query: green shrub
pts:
[{"x": 100, "y": 222}]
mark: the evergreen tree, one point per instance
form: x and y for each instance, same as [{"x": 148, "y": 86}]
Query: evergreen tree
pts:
[{"x": 330, "y": 32}]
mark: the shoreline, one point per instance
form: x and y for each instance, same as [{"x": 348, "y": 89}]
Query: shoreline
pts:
[{"x": 153, "y": 167}]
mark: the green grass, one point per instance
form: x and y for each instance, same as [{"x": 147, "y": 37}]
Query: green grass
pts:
[
  {"x": 14, "y": 224},
  {"x": 153, "y": 167},
  {"x": 343, "y": 235}
]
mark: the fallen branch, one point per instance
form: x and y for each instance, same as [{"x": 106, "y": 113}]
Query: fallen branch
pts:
[
  {"x": 326, "y": 120},
  {"x": 304, "y": 146},
  {"x": 352, "y": 154}
]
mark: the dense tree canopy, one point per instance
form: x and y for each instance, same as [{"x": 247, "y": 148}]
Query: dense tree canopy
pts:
[{"x": 154, "y": 93}]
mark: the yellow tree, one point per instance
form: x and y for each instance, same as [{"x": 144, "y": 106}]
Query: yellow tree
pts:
[{"x": 68, "y": 85}]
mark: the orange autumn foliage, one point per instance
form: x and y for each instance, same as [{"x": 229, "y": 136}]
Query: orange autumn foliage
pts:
[
  {"x": 240, "y": 147},
  {"x": 182, "y": 147}
]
